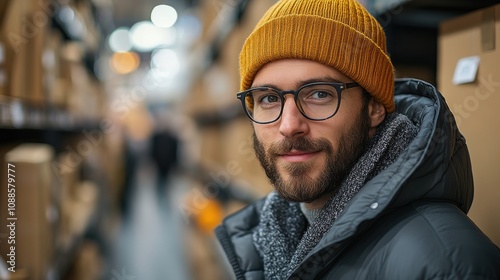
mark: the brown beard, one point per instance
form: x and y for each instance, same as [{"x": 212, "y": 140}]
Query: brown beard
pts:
[{"x": 301, "y": 187}]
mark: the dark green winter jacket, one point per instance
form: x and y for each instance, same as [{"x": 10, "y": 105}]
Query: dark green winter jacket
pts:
[{"x": 408, "y": 222}]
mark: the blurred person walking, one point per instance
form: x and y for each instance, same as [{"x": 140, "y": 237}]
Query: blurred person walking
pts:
[
  {"x": 138, "y": 127},
  {"x": 164, "y": 153}
]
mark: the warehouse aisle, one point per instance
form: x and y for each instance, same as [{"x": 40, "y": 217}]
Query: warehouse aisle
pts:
[{"x": 149, "y": 244}]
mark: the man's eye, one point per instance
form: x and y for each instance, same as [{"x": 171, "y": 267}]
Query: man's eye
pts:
[
  {"x": 269, "y": 99},
  {"x": 320, "y": 95}
]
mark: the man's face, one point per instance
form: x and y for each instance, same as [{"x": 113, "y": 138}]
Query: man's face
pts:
[{"x": 307, "y": 160}]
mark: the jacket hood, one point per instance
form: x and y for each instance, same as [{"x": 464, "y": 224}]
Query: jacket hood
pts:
[{"x": 442, "y": 169}]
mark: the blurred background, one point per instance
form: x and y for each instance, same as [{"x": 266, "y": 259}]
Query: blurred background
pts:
[{"x": 124, "y": 144}]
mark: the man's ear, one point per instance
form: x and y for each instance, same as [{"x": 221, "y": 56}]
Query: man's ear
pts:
[{"x": 376, "y": 113}]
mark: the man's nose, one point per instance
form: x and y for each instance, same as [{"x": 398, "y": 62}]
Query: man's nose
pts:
[{"x": 292, "y": 122}]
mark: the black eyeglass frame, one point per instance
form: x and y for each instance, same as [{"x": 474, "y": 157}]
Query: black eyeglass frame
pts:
[{"x": 281, "y": 93}]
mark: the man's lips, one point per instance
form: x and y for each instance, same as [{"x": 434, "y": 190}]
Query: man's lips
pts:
[{"x": 298, "y": 156}]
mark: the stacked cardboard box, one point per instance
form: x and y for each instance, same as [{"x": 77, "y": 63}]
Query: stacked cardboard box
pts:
[
  {"x": 53, "y": 208},
  {"x": 35, "y": 68},
  {"x": 23, "y": 31},
  {"x": 3, "y": 8},
  {"x": 3, "y": 68},
  {"x": 15, "y": 57},
  {"x": 78, "y": 211},
  {"x": 36, "y": 23},
  {"x": 34, "y": 213},
  {"x": 5, "y": 64},
  {"x": 469, "y": 78},
  {"x": 67, "y": 168},
  {"x": 88, "y": 264},
  {"x": 56, "y": 86},
  {"x": 77, "y": 195}
]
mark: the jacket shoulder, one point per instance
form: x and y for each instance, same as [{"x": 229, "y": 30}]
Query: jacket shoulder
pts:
[
  {"x": 423, "y": 240},
  {"x": 453, "y": 242},
  {"x": 446, "y": 242}
]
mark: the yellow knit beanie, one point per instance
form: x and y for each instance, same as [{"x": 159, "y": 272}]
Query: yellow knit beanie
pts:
[{"x": 338, "y": 33}]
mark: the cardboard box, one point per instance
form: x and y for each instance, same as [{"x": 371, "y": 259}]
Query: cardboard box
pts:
[
  {"x": 54, "y": 86},
  {"x": 63, "y": 85},
  {"x": 475, "y": 104},
  {"x": 67, "y": 168},
  {"x": 84, "y": 98},
  {"x": 38, "y": 19},
  {"x": 23, "y": 32},
  {"x": 14, "y": 33},
  {"x": 88, "y": 263},
  {"x": 33, "y": 211},
  {"x": 4, "y": 66},
  {"x": 3, "y": 9},
  {"x": 34, "y": 69},
  {"x": 21, "y": 274},
  {"x": 10, "y": 28},
  {"x": 77, "y": 213}
]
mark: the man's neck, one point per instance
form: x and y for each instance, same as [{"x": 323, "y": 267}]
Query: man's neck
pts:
[{"x": 310, "y": 214}]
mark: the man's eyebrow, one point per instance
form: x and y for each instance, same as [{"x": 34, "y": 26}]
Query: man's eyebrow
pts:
[
  {"x": 265, "y": 86},
  {"x": 303, "y": 82},
  {"x": 316, "y": 80}
]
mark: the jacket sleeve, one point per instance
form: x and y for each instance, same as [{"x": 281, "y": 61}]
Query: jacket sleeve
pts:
[{"x": 235, "y": 237}]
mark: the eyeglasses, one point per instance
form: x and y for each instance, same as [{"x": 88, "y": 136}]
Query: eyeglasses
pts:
[{"x": 316, "y": 101}]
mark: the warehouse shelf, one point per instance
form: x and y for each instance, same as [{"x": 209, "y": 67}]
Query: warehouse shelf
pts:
[
  {"x": 16, "y": 115},
  {"x": 50, "y": 95}
]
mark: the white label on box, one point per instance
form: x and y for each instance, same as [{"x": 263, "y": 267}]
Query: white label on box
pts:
[{"x": 466, "y": 70}]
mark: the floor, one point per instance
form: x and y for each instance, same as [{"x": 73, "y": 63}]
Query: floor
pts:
[
  {"x": 158, "y": 241},
  {"x": 150, "y": 244}
]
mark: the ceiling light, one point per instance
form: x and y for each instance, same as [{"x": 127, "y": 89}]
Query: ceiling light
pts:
[{"x": 164, "y": 16}]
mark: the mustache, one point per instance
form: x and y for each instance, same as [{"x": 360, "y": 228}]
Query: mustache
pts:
[{"x": 299, "y": 143}]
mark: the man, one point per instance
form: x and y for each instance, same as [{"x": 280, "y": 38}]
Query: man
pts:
[{"x": 372, "y": 178}]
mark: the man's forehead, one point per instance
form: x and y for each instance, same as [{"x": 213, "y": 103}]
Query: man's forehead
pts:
[{"x": 293, "y": 73}]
